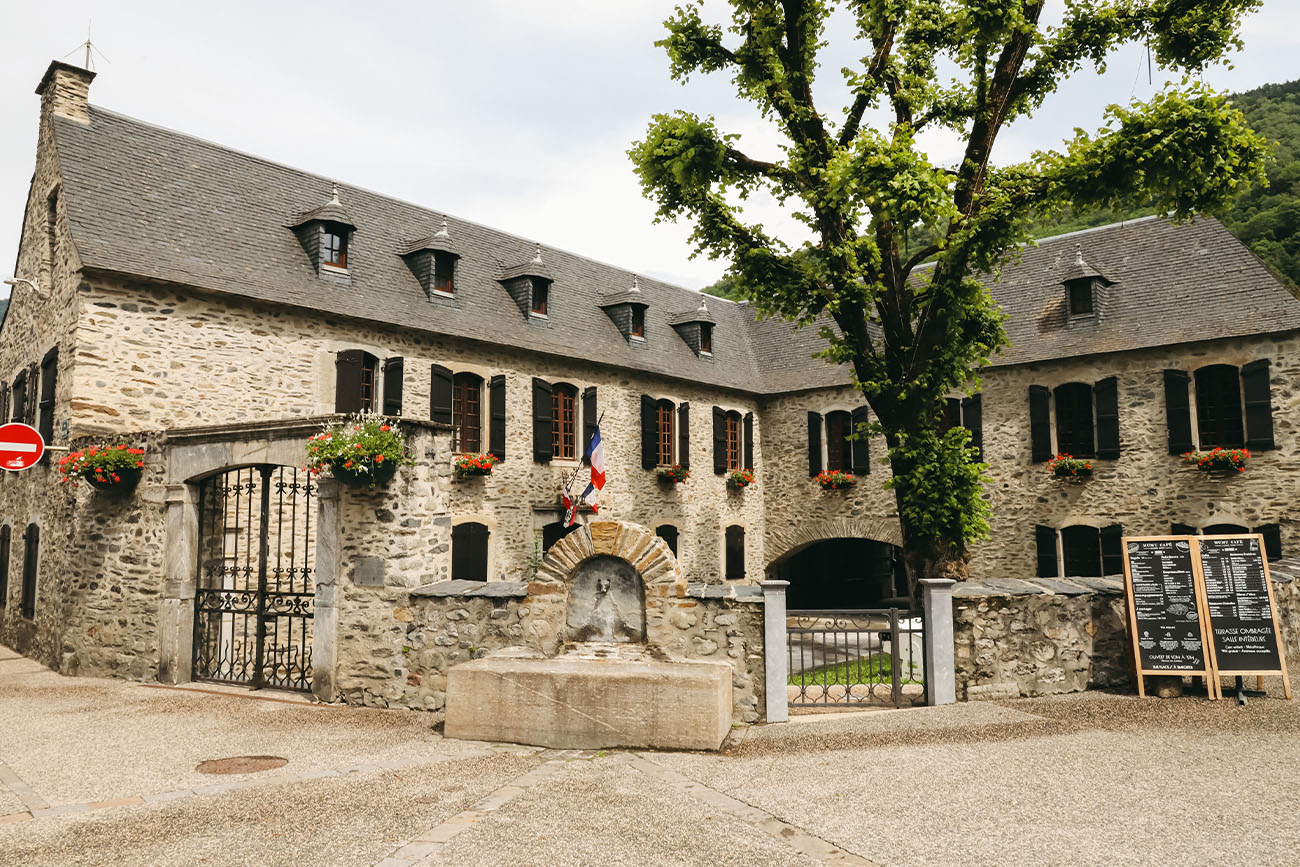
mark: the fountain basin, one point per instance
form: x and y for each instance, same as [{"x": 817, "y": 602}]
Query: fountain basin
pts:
[{"x": 590, "y": 699}]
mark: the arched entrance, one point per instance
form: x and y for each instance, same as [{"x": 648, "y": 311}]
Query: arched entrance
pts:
[{"x": 843, "y": 573}]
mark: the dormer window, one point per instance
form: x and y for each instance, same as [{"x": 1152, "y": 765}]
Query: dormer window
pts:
[
  {"x": 638, "y": 322},
  {"x": 444, "y": 271},
  {"x": 432, "y": 259},
  {"x": 541, "y": 296},
  {"x": 695, "y": 327},
  {"x": 706, "y": 337},
  {"x": 1082, "y": 282},
  {"x": 1081, "y": 297},
  {"x": 529, "y": 285},
  {"x": 334, "y": 245},
  {"x": 325, "y": 233}
]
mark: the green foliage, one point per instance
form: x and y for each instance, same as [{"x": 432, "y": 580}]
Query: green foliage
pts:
[
  {"x": 360, "y": 443},
  {"x": 877, "y": 207}
]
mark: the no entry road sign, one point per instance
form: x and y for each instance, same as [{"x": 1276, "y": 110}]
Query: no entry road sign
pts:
[{"x": 21, "y": 446}]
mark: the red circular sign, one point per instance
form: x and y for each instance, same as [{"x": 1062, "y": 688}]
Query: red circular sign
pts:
[{"x": 21, "y": 446}]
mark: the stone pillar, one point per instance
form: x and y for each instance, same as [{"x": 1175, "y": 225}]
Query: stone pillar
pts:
[
  {"x": 940, "y": 668},
  {"x": 776, "y": 659},
  {"x": 176, "y": 621},
  {"x": 325, "y": 626}
]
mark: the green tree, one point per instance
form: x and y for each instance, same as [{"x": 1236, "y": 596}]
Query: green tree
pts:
[{"x": 912, "y": 335}]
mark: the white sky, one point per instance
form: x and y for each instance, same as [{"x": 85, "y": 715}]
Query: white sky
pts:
[{"x": 511, "y": 113}]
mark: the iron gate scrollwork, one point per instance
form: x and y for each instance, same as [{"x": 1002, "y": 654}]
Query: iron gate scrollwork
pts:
[{"x": 255, "y": 594}]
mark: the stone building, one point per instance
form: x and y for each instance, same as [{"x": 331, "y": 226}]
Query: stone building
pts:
[{"x": 215, "y": 309}]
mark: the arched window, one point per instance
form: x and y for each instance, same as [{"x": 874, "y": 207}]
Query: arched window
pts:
[
  {"x": 1218, "y": 406},
  {"x": 467, "y": 412},
  {"x": 1074, "y": 429},
  {"x": 668, "y": 533},
  {"x": 664, "y": 415},
  {"x": 734, "y": 450},
  {"x": 469, "y": 552},
  {"x": 564, "y": 421},
  {"x": 735, "y": 552},
  {"x": 839, "y": 448}
]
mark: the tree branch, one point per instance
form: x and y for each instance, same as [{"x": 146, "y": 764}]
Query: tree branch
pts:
[{"x": 853, "y": 121}]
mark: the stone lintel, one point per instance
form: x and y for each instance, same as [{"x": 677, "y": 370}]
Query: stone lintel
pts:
[{"x": 488, "y": 589}]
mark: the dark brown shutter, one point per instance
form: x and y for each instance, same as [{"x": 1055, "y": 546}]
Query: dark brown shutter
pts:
[
  {"x": 439, "y": 394},
  {"x": 5, "y": 536},
  {"x": 347, "y": 380},
  {"x": 19, "y": 392},
  {"x": 814, "y": 443},
  {"x": 749, "y": 440},
  {"x": 683, "y": 443},
  {"x": 1259, "y": 405},
  {"x": 1045, "y": 539},
  {"x": 951, "y": 413},
  {"x": 497, "y": 416},
  {"x": 33, "y": 394},
  {"x": 1040, "y": 423},
  {"x": 861, "y": 447},
  {"x": 1272, "y": 534},
  {"x": 972, "y": 417},
  {"x": 1183, "y": 530},
  {"x": 1178, "y": 412},
  {"x": 30, "y": 554},
  {"x": 1112, "y": 554},
  {"x": 590, "y": 417},
  {"x": 469, "y": 552},
  {"x": 649, "y": 432},
  {"x": 719, "y": 440},
  {"x": 49, "y": 373},
  {"x": 4, "y": 401},
  {"x": 1105, "y": 395},
  {"x": 393, "y": 368},
  {"x": 542, "y": 422},
  {"x": 735, "y": 556}
]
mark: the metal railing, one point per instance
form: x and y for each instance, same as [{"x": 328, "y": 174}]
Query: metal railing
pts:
[{"x": 855, "y": 657}]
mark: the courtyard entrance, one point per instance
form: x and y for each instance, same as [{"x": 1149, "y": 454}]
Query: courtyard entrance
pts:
[{"x": 255, "y": 591}]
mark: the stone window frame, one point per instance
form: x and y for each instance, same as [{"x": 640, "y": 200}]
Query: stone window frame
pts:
[
  {"x": 1097, "y": 524},
  {"x": 826, "y": 410},
  {"x": 1194, "y": 399},
  {"x": 580, "y": 385},
  {"x": 1052, "y": 416},
  {"x": 492, "y": 544}
]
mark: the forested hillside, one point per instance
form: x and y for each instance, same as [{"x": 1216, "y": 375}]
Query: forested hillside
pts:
[{"x": 1266, "y": 217}]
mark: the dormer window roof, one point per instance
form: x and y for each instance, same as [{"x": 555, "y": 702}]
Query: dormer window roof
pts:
[
  {"x": 325, "y": 233},
  {"x": 1082, "y": 282},
  {"x": 626, "y": 309},
  {"x": 696, "y": 328},
  {"x": 529, "y": 285},
  {"x": 432, "y": 259}
]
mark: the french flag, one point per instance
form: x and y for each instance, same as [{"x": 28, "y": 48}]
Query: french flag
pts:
[{"x": 596, "y": 457}]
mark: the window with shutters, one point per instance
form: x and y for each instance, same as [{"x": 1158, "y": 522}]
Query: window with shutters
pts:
[
  {"x": 368, "y": 365},
  {"x": 1218, "y": 407},
  {"x": 706, "y": 337},
  {"x": 735, "y": 552},
  {"x": 541, "y": 296},
  {"x": 967, "y": 412},
  {"x": 31, "y": 556},
  {"x": 664, "y": 432},
  {"x": 393, "y": 374},
  {"x": 469, "y": 552},
  {"x": 18, "y": 399},
  {"x": 5, "y": 537},
  {"x": 467, "y": 412},
  {"x": 564, "y": 422},
  {"x": 444, "y": 273},
  {"x": 734, "y": 452},
  {"x": 49, "y": 372},
  {"x": 638, "y": 321},
  {"x": 1081, "y": 551},
  {"x": 334, "y": 245},
  {"x": 1074, "y": 429},
  {"x": 839, "y": 448},
  {"x": 668, "y": 533}
]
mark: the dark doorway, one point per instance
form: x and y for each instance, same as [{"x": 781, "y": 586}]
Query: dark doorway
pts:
[{"x": 844, "y": 573}]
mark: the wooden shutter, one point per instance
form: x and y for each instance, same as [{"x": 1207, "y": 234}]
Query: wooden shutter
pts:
[
  {"x": 719, "y": 440},
  {"x": 1040, "y": 423},
  {"x": 49, "y": 373},
  {"x": 1272, "y": 534},
  {"x": 469, "y": 552},
  {"x": 5, "y": 536},
  {"x": 1182, "y": 530},
  {"x": 749, "y": 440},
  {"x": 4, "y": 401},
  {"x": 439, "y": 394},
  {"x": 649, "y": 432},
  {"x": 590, "y": 417},
  {"x": 542, "y": 420},
  {"x": 1259, "y": 405},
  {"x": 860, "y": 447},
  {"x": 19, "y": 392},
  {"x": 33, "y": 394},
  {"x": 347, "y": 380},
  {"x": 735, "y": 552},
  {"x": 31, "y": 552},
  {"x": 1105, "y": 395},
  {"x": 683, "y": 440},
  {"x": 497, "y": 416},
  {"x": 1112, "y": 553},
  {"x": 814, "y": 443},
  {"x": 1178, "y": 412},
  {"x": 393, "y": 368},
  {"x": 1045, "y": 538},
  {"x": 972, "y": 417}
]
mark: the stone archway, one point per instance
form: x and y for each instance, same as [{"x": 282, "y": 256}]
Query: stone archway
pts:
[{"x": 790, "y": 539}]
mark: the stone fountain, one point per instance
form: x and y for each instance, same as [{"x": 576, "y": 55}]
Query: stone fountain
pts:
[{"x": 613, "y": 679}]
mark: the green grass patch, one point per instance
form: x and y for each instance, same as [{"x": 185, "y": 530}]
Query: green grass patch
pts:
[{"x": 878, "y": 668}]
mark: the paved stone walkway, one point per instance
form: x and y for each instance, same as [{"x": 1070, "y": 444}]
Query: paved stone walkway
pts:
[{"x": 103, "y": 772}]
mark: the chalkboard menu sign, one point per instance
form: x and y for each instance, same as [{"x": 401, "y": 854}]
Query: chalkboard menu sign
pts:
[
  {"x": 1239, "y": 599},
  {"x": 1164, "y": 608}
]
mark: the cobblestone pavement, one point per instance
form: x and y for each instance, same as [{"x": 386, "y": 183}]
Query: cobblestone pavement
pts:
[{"x": 104, "y": 772}]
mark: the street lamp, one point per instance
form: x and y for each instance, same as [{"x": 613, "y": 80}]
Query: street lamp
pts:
[{"x": 32, "y": 283}]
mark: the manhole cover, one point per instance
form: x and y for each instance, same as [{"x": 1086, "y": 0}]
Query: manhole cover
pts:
[{"x": 241, "y": 765}]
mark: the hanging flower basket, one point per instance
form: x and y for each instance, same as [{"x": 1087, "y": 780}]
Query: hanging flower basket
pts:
[
  {"x": 1070, "y": 468},
  {"x": 467, "y": 466},
  {"x": 740, "y": 479},
  {"x": 363, "y": 450},
  {"x": 105, "y": 467},
  {"x": 1219, "y": 460},
  {"x": 674, "y": 475},
  {"x": 834, "y": 480}
]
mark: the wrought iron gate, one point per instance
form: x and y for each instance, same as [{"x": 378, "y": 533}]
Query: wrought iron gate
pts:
[
  {"x": 855, "y": 657},
  {"x": 255, "y": 594}
]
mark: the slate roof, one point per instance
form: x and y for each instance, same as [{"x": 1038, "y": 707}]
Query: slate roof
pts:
[{"x": 150, "y": 202}]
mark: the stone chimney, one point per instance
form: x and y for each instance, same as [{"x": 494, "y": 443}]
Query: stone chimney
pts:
[{"x": 65, "y": 91}]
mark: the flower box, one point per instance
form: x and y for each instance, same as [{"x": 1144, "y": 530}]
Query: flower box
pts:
[
  {"x": 362, "y": 451},
  {"x": 1219, "y": 460},
  {"x": 1070, "y": 468},
  {"x": 105, "y": 467},
  {"x": 740, "y": 479},
  {"x": 469, "y": 466},
  {"x": 674, "y": 475},
  {"x": 834, "y": 480}
]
